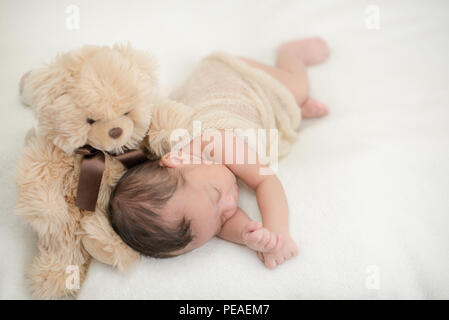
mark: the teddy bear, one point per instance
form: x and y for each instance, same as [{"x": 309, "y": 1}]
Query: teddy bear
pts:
[{"x": 92, "y": 105}]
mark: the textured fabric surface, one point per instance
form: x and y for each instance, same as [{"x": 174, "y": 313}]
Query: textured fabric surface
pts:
[
  {"x": 367, "y": 186},
  {"x": 225, "y": 92}
]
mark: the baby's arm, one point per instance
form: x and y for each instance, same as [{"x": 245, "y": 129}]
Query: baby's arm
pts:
[
  {"x": 242, "y": 230},
  {"x": 270, "y": 195},
  {"x": 272, "y": 204}
]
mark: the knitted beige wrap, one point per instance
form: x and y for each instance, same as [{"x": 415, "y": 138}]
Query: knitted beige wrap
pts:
[{"x": 224, "y": 92}]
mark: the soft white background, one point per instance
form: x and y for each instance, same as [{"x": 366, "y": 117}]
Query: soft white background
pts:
[{"x": 368, "y": 186}]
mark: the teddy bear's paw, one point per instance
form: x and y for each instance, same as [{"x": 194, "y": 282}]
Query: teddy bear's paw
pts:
[
  {"x": 114, "y": 253},
  {"x": 97, "y": 250},
  {"x": 104, "y": 244},
  {"x": 126, "y": 258}
]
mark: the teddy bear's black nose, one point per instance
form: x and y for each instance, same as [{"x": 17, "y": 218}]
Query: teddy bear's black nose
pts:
[{"x": 115, "y": 133}]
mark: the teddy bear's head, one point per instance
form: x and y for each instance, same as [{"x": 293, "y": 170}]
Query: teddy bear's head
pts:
[{"x": 99, "y": 96}]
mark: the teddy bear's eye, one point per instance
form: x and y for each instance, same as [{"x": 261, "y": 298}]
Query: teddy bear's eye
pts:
[
  {"x": 90, "y": 121},
  {"x": 126, "y": 113}
]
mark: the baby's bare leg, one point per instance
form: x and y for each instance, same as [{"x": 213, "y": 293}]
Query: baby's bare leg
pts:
[
  {"x": 290, "y": 70},
  {"x": 297, "y": 83}
]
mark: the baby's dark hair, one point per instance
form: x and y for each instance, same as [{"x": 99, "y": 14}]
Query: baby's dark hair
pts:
[{"x": 140, "y": 192}]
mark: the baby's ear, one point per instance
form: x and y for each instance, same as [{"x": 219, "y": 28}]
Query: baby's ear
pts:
[
  {"x": 174, "y": 159},
  {"x": 142, "y": 60}
]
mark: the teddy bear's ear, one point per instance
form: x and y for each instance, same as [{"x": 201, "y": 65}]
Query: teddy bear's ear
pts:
[
  {"x": 41, "y": 87},
  {"x": 142, "y": 60},
  {"x": 63, "y": 124}
]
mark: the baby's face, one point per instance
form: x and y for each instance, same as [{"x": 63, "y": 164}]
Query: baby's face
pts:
[{"x": 207, "y": 198}]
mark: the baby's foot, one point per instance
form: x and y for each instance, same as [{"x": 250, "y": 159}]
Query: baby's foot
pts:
[
  {"x": 310, "y": 51},
  {"x": 312, "y": 108},
  {"x": 258, "y": 238}
]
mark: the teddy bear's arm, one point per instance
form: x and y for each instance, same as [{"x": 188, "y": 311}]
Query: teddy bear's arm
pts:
[
  {"x": 42, "y": 203},
  {"x": 104, "y": 244},
  {"x": 39, "y": 177},
  {"x": 167, "y": 116}
]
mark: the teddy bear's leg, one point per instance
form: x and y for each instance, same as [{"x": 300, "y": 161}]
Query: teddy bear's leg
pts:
[
  {"x": 60, "y": 266},
  {"x": 104, "y": 244}
]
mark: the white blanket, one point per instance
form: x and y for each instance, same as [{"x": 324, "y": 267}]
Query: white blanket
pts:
[{"x": 368, "y": 186}]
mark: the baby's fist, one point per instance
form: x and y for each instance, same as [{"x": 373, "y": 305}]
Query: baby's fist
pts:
[
  {"x": 260, "y": 239},
  {"x": 287, "y": 249}
]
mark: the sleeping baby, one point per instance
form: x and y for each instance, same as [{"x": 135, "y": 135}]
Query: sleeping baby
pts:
[{"x": 175, "y": 204}]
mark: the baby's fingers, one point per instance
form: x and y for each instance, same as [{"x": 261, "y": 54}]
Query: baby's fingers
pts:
[
  {"x": 270, "y": 263},
  {"x": 251, "y": 227},
  {"x": 260, "y": 256},
  {"x": 272, "y": 242}
]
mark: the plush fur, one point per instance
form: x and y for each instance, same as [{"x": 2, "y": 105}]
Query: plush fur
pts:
[{"x": 114, "y": 86}]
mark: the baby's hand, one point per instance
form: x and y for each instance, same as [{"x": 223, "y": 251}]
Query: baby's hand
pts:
[
  {"x": 286, "y": 249},
  {"x": 258, "y": 238}
]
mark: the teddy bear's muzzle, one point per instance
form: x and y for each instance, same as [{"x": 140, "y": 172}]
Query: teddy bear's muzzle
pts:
[{"x": 115, "y": 133}]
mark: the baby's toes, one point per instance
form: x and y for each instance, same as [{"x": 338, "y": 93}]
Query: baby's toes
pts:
[{"x": 312, "y": 108}]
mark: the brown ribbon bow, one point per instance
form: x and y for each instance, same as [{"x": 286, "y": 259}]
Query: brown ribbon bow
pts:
[{"x": 92, "y": 167}]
